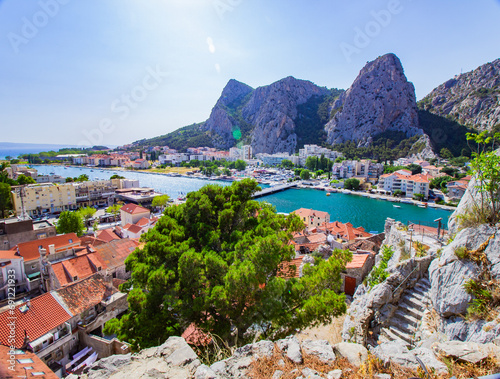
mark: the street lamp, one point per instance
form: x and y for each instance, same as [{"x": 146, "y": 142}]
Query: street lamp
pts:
[{"x": 411, "y": 238}]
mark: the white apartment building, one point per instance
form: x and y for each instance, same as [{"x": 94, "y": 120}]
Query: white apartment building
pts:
[
  {"x": 364, "y": 168},
  {"x": 315, "y": 151},
  {"x": 404, "y": 181},
  {"x": 245, "y": 153}
]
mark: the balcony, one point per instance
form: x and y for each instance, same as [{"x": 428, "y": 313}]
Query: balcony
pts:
[{"x": 51, "y": 341}]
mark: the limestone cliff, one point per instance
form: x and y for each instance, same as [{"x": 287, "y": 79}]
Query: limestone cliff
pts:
[
  {"x": 380, "y": 99},
  {"x": 472, "y": 99},
  {"x": 222, "y": 123},
  {"x": 271, "y": 111}
]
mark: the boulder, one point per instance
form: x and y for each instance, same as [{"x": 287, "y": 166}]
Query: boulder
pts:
[
  {"x": 334, "y": 374},
  {"x": 320, "y": 349},
  {"x": 464, "y": 351},
  {"x": 205, "y": 372},
  {"x": 355, "y": 353},
  {"x": 291, "y": 346}
]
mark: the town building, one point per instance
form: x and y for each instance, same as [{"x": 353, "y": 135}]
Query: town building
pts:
[
  {"x": 13, "y": 280},
  {"x": 36, "y": 199},
  {"x": 98, "y": 193},
  {"x": 132, "y": 213},
  {"x": 364, "y": 168},
  {"x": 113, "y": 255},
  {"x": 356, "y": 270},
  {"x": 26, "y": 365},
  {"x": 314, "y": 151},
  {"x": 14, "y": 231},
  {"x": 404, "y": 181},
  {"x": 457, "y": 188},
  {"x": 312, "y": 218}
]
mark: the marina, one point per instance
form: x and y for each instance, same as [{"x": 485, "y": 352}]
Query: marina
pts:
[{"x": 342, "y": 205}]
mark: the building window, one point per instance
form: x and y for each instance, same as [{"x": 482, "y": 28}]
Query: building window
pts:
[
  {"x": 25, "y": 360},
  {"x": 38, "y": 373}
]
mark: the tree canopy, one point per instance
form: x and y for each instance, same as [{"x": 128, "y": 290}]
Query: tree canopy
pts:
[
  {"x": 70, "y": 222},
  {"x": 352, "y": 184},
  {"x": 213, "y": 261}
]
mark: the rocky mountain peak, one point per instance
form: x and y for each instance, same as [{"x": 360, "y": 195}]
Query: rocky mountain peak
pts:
[
  {"x": 233, "y": 91},
  {"x": 471, "y": 99},
  {"x": 380, "y": 99},
  {"x": 272, "y": 110}
]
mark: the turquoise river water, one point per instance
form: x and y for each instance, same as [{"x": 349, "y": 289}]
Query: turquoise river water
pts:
[{"x": 359, "y": 211}]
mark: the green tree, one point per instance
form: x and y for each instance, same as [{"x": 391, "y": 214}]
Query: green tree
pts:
[
  {"x": 297, "y": 171},
  {"x": 116, "y": 176},
  {"x": 5, "y": 201},
  {"x": 70, "y": 222},
  {"x": 398, "y": 193},
  {"x": 485, "y": 167},
  {"x": 414, "y": 168},
  {"x": 240, "y": 165},
  {"x": 418, "y": 196},
  {"x": 352, "y": 184},
  {"x": 214, "y": 261},
  {"x": 440, "y": 182},
  {"x": 82, "y": 178},
  {"x": 23, "y": 180},
  {"x": 287, "y": 164},
  {"x": 160, "y": 201},
  {"x": 449, "y": 171},
  {"x": 445, "y": 153},
  {"x": 87, "y": 213},
  {"x": 114, "y": 210},
  {"x": 305, "y": 175}
]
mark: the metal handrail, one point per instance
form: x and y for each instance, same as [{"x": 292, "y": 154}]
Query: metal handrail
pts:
[{"x": 404, "y": 280}]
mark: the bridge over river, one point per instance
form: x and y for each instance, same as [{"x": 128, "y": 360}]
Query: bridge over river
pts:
[{"x": 274, "y": 189}]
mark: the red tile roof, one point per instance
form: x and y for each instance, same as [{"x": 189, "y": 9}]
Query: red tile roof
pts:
[
  {"x": 84, "y": 294},
  {"x": 80, "y": 267},
  {"x": 358, "y": 261},
  {"x": 195, "y": 336},
  {"x": 107, "y": 235},
  {"x": 346, "y": 231},
  {"x": 9, "y": 254},
  {"x": 23, "y": 370},
  {"x": 42, "y": 316},
  {"x": 133, "y": 209},
  {"x": 290, "y": 269},
  {"x": 29, "y": 250},
  {"x": 134, "y": 229},
  {"x": 114, "y": 253},
  {"x": 304, "y": 212},
  {"x": 143, "y": 222}
]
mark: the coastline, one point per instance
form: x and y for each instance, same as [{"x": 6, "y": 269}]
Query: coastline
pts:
[{"x": 299, "y": 186}]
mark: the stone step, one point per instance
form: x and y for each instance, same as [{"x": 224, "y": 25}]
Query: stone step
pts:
[
  {"x": 410, "y": 309},
  {"x": 419, "y": 291},
  {"x": 407, "y": 317},
  {"x": 422, "y": 288},
  {"x": 416, "y": 301},
  {"x": 425, "y": 281},
  {"x": 401, "y": 324},
  {"x": 393, "y": 334},
  {"x": 404, "y": 335}
]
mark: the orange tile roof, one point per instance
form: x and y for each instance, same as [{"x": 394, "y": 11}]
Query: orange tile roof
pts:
[
  {"x": 316, "y": 238},
  {"x": 9, "y": 254},
  {"x": 84, "y": 294},
  {"x": 43, "y": 315},
  {"x": 304, "y": 212},
  {"x": 23, "y": 370},
  {"x": 346, "y": 231},
  {"x": 358, "y": 261},
  {"x": 29, "y": 250},
  {"x": 80, "y": 267},
  {"x": 114, "y": 253},
  {"x": 143, "y": 222},
  {"x": 195, "y": 336},
  {"x": 134, "y": 229},
  {"x": 107, "y": 235},
  {"x": 133, "y": 209},
  {"x": 290, "y": 269}
]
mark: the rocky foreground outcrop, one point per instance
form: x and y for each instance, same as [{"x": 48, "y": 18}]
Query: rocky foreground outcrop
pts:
[
  {"x": 471, "y": 99},
  {"x": 380, "y": 99}
]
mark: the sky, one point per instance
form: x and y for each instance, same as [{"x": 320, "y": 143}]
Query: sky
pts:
[{"x": 94, "y": 72}]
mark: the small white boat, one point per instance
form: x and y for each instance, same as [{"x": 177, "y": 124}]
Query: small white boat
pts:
[{"x": 396, "y": 206}]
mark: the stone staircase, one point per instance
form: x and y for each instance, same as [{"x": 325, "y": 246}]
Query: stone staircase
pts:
[{"x": 406, "y": 319}]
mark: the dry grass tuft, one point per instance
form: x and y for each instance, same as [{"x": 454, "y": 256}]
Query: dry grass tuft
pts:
[{"x": 264, "y": 368}]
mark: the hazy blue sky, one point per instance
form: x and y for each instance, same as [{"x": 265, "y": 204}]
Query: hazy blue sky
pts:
[{"x": 114, "y": 71}]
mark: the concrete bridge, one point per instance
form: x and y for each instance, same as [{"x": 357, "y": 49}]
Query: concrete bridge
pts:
[{"x": 270, "y": 190}]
